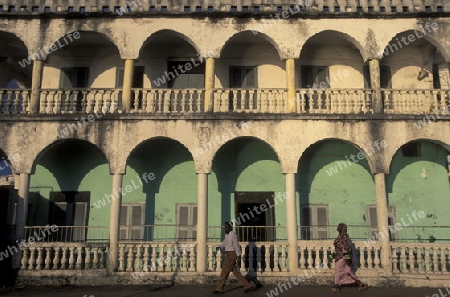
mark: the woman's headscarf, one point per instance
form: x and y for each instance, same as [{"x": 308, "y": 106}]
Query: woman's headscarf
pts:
[{"x": 342, "y": 243}]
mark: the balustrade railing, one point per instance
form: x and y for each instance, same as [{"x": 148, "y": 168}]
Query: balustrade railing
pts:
[
  {"x": 256, "y": 256},
  {"x": 416, "y": 101},
  {"x": 168, "y": 100},
  {"x": 157, "y": 256},
  {"x": 334, "y": 101},
  {"x": 57, "y": 101},
  {"x": 192, "y": 101},
  {"x": 250, "y": 100},
  {"x": 14, "y": 101},
  {"x": 64, "y": 256},
  {"x": 407, "y": 258},
  {"x": 314, "y": 253},
  {"x": 419, "y": 258}
]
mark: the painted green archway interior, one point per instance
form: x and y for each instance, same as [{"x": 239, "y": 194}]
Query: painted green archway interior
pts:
[{"x": 162, "y": 205}]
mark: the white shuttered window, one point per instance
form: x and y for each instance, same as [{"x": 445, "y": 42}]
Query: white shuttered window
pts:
[
  {"x": 373, "y": 221},
  {"x": 132, "y": 221},
  {"x": 187, "y": 221},
  {"x": 314, "y": 219}
]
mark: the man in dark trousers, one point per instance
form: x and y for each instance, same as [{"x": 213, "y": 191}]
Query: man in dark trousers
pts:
[{"x": 232, "y": 261}]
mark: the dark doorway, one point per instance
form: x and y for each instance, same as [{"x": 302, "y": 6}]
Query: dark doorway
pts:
[
  {"x": 7, "y": 237},
  {"x": 70, "y": 209},
  {"x": 255, "y": 216}
]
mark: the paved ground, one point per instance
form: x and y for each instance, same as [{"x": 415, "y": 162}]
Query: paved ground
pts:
[{"x": 198, "y": 291}]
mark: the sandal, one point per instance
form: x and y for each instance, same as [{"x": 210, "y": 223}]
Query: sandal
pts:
[
  {"x": 336, "y": 288},
  {"x": 363, "y": 287}
]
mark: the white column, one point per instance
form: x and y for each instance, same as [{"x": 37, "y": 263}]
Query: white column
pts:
[
  {"x": 36, "y": 83},
  {"x": 382, "y": 218},
  {"x": 291, "y": 216},
  {"x": 374, "y": 69},
  {"x": 202, "y": 221},
  {"x": 21, "y": 213},
  {"x": 209, "y": 84},
  {"x": 116, "y": 202},
  {"x": 127, "y": 95},
  {"x": 290, "y": 85}
]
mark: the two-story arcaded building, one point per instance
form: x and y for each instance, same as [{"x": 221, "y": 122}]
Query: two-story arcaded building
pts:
[{"x": 138, "y": 127}]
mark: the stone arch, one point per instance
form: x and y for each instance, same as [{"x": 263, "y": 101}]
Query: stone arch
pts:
[
  {"x": 371, "y": 161},
  {"x": 430, "y": 38},
  {"x": 91, "y": 34},
  {"x": 391, "y": 154},
  {"x": 254, "y": 33},
  {"x": 141, "y": 142},
  {"x": 33, "y": 158},
  {"x": 265, "y": 142},
  {"x": 343, "y": 35},
  {"x": 170, "y": 33}
]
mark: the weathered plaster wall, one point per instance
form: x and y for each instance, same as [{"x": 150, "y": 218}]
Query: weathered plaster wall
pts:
[
  {"x": 288, "y": 36},
  {"x": 346, "y": 191},
  {"x": 421, "y": 184}
]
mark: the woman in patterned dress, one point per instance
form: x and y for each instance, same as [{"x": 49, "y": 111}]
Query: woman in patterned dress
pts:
[{"x": 343, "y": 254}]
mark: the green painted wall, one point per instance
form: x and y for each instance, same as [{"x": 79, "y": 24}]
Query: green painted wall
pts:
[
  {"x": 421, "y": 184},
  {"x": 346, "y": 191},
  {"x": 243, "y": 165},
  {"x": 71, "y": 166},
  {"x": 415, "y": 183},
  {"x": 175, "y": 182}
]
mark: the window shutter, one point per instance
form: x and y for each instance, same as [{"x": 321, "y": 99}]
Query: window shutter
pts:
[
  {"x": 322, "y": 219},
  {"x": 136, "y": 234},
  {"x": 250, "y": 79},
  {"x": 373, "y": 216},
  {"x": 137, "y": 228},
  {"x": 186, "y": 221},
  {"x": 321, "y": 77},
  {"x": 123, "y": 222},
  {"x": 136, "y": 216},
  {"x": 322, "y": 235},
  {"x": 182, "y": 234},
  {"x": 123, "y": 215},
  {"x": 80, "y": 209},
  {"x": 194, "y": 222},
  {"x": 123, "y": 234},
  {"x": 183, "y": 218},
  {"x": 194, "y": 215},
  {"x": 322, "y": 222}
]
